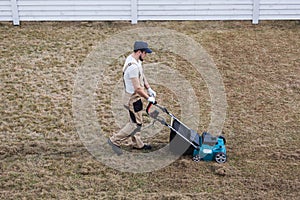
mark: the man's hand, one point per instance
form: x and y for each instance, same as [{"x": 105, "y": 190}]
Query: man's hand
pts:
[
  {"x": 151, "y": 92},
  {"x": 151, "y": 100}
]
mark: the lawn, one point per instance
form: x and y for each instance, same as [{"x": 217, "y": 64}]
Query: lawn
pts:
[{"x": 43, "y": 156}]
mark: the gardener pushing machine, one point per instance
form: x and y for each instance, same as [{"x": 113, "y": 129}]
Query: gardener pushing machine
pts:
[{"x": 134, "y": 84}]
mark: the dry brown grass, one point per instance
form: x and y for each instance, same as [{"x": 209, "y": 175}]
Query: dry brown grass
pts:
[{"x": 43, "y": 157}]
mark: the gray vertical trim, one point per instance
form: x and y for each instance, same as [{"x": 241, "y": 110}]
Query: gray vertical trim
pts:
[
  {"x": 134, "y": 11},
  {"x": 15, "y": 12},
  {"x": 255, "y": 18}
]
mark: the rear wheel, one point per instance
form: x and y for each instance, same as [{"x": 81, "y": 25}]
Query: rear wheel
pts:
[
  {"x": 196, "y": 158},
  {"x": 220, "y": 157}
]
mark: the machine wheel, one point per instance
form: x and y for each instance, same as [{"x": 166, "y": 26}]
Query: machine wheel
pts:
[
  {"x": 196, "y": 158},
  {"x": 220, "y": 157}
]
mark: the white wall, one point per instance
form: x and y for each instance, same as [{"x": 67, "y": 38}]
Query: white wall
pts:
[
  {"x": 279, "y": 9},
  {"x": 5, "y": 10},
  {"x": 195, "y": 9},
  {"x": 74, "y": 10},
  {"x": 135, "y": 10}
]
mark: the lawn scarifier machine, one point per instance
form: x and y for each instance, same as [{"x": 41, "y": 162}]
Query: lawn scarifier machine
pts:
[{"x": 185, "y": 141}]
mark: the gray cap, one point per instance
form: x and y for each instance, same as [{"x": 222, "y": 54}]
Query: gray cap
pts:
[{"x": 140, "y": 45}]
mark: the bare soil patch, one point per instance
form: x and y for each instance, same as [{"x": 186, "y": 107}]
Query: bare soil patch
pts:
[{"x": 42, "y": 156}]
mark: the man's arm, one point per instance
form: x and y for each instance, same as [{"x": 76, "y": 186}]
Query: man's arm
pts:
[
  {"x": 146, "y": 84},
  {"x": 138, "y": 89}
]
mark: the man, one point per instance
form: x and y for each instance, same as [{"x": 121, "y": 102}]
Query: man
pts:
[{"x": 134, "y": 82}]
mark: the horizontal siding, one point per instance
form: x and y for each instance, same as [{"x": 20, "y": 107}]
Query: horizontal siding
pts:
[
  {"x": 195, "y": 13},
  {"x": 73, "y": 8},
  {"x": 5, "y": 11},
  {"x": 279, "y": 9},
  {"x": 193, "y": 9},
  {"x": 76, "y": 10},
  {"x": 193, "y": 2},
  {"x": 181, "y": 18},
  {"x": 49, "y": 10},
  {"x": 73, "y": 2},
  {"x": 75, "y": 18}
]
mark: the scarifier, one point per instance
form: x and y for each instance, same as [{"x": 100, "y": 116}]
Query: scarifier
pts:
[{"x": 185, "y": 141}]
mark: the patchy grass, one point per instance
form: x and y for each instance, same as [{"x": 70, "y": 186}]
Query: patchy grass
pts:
[{"x": 43, "y": 157}]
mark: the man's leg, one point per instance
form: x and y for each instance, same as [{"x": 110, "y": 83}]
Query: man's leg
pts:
[
  {"x": 136, "y": 138},
  {"x": 137, "y": 119},
  {"x": 123, "y": 134}
]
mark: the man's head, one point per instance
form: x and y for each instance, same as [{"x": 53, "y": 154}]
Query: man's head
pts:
[
  {"x": 140, "y": 45},
  {"x": 141, "y": 49}
]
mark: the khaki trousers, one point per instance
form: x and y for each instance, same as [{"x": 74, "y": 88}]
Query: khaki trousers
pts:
[{"x": 132, "y": 130}]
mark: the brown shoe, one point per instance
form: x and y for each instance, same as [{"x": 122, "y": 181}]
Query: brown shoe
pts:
[{"x": 145, "y": 147}]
